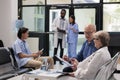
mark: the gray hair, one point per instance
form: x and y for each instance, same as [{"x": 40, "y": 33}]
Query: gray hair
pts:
[
  {"x": 103, "y": 36},
  {"x": 91, "y": 27}
]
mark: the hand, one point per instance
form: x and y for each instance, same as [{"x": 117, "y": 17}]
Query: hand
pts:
[
  {"x": 74, "y": 62},
  {"x": 35, "y": 55},
  {"x": 72, "y": 74},
  {"x": 71, "y": 28},
  {"x": 40, "y": 52},
  {"x": 65, "y": 57}
]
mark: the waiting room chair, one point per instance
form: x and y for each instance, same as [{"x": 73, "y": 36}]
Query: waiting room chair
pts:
[{"x": 107, "y": 70}]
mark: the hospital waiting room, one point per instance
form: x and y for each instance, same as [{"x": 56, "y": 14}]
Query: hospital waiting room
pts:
[{"x": 60, "y": 40}]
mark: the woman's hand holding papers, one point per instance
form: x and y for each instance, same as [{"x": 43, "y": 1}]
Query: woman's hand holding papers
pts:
[
  {"x": 65, "y": 57},
  {"x": 74, "y": 62}
]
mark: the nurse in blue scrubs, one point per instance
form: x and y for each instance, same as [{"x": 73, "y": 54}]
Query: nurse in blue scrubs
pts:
[{"x": 72, "y": 37}]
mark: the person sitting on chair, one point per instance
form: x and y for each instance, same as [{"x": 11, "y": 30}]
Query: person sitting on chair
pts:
[
  {"x": 88, "y": 68},
  {"x": 23, "y": 55},
  {"x": 87, "y": 49}
]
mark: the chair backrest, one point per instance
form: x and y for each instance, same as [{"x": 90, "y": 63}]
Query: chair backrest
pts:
[
  {"x": 5, "y": 61},
  {"x": 14, "y": 62},
  {"x": 1, "y": 43},
  {"x": 106, "y": 71}
]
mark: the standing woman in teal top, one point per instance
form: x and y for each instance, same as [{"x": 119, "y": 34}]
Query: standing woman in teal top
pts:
[{"x": 72, "y": 37}]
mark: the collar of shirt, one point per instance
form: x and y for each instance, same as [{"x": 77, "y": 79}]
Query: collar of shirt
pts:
[
  {"x": 62, "y": 18},
  {"x": 21, "y": 41},
  {"x": 90, "y": 43}
]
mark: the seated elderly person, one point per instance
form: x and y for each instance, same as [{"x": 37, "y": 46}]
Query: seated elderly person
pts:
[
  {"x": 23, "y": 55},
  {"x": 88, "y": 68}
]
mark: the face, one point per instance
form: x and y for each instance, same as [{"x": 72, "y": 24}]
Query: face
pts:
[
  {"x": 25, "y": 35},
  {"x": 62, "y": 14},
  {"x": 71, "y": 20},
  {"x": 89, "y": 34},
  {"x": 97, "y": 42}
]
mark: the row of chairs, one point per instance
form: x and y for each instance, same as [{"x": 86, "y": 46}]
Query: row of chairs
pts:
[{"x": 8, "y": 64}]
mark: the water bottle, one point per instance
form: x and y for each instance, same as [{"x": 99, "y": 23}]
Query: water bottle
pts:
[{"x": 44, "y": 65}]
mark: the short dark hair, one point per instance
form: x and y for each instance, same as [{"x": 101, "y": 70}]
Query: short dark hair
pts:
[
  {"x": 21, "y": 31},
  {"x": 63, "y": 10}
]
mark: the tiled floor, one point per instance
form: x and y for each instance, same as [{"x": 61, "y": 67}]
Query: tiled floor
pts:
[{"x": 58, "y": 66}]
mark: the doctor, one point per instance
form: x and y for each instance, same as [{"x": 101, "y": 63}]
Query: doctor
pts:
[
  {"x": 72, "y": 37},
  {"x": 59, "y": 27}
]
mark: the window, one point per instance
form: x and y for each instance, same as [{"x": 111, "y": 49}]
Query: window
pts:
[
  {"x": 33, "y": 2},
  {"x": 58, "y": 2},
  {"x": 34, "y": 18},
  {"x": 111, "y": 17},
  {"x": 111, "y": 0},
  {"x": 85, "y": 1}
]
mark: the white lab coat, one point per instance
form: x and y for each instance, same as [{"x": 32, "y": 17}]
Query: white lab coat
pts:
[
  {"x": 87, "y": 69},
  {"x": 56, "y": 24}
]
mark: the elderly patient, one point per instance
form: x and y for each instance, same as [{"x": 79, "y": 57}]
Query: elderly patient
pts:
[{"x": 88, "y": 68}]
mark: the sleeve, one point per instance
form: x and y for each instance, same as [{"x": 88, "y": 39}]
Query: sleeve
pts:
[
  {"x": 17, "y": 48},
  {"x": 76, "y": 30},
  {"x": 54, "y": 27},
  {"x": 91, "y": 68},
  {"x": 80, "y": 54}
]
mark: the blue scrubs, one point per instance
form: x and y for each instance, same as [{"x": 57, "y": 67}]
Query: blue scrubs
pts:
[{"x": 72, "y": 39}]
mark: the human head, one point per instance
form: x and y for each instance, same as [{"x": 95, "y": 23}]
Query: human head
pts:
[
  {"x": 89, "y": 30},
  {"x": 23, "y": 33},
  {"x": 72, "y": 19},
  {"x": 101, "y": 39},
  {"x": 63, "y": 13}
]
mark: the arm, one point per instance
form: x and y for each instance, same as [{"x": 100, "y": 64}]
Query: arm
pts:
[
  {"x": 23, "y": 55},
  {"x": 60, "y": 30},
  {"x": 80, "y": 54},
  {"x": 75, "y": 28},
  {"x": 54, "y": 27},
  {"x": 94, "y": 63},
  {"x": 18, "y": 51}
]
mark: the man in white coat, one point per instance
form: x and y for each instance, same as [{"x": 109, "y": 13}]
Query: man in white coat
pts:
[{"x": 59, "y": 27}]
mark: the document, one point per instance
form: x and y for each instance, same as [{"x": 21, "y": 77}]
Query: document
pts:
[
  {"x": 50, "y": 74},
  {"x": 67, "y": 63}
]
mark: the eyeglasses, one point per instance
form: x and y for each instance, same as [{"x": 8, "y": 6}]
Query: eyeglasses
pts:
[{"x": 88, "y": 33}]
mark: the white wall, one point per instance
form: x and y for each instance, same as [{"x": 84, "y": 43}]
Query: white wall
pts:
[
  {"x": 33, "y": 44},
  {"x": 8, "y": 15}
]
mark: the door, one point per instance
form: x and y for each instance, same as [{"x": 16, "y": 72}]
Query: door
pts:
[
  {"x": 85, "y": 14},
  {"x": 53, "y": 13}
]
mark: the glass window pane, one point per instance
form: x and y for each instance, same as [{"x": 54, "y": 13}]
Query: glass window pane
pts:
[
  {"x": 34, "y": 18},
  {"x": 111, "y": 17},
  {"x": 111, "y": 0},
  {"x": 85, "y": 1},
  {"x": 58, "y": 1},
  {"x": 33, "y": 2},
  {"x": 83, "y": 18}
]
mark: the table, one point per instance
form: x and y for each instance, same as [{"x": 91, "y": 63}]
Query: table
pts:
[{"x": 41, "y": 74}]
